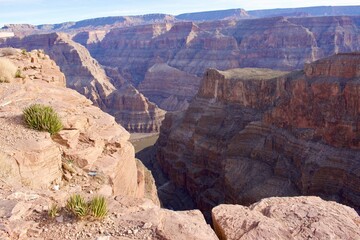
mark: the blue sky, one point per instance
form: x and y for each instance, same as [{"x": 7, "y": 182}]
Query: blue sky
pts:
[{"x": 56, "y": 11}]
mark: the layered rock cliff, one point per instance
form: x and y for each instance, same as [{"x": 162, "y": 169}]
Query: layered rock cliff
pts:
[
  {"x": 85, "y": 75},
  {"x": 170, "y": 88},
  {"x": 254, "y": 133},
  {"x": 189, "y": 48},
  {"x": 192, "y": 47}
]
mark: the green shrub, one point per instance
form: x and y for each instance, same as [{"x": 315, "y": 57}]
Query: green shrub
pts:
[
  {"x": 18, "y": 74},
  {"x": 98, "y": 207},
  {"x": 77, "y": 205},
  {"x": 53, "y": 211},
  {"x": 42, "y": 118}
]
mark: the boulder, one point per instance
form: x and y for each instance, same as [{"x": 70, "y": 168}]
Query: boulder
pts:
[{"x": 286, "y": 218}]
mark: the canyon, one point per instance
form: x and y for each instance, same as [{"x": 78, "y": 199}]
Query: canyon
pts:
[
  {"x": 253, "y": 133},
  {"x": 92, "y": 155},
  {"x": 182, "y": 51},
  {"x": 165, "y": 58},
  {"x": 257, "y": 114}
]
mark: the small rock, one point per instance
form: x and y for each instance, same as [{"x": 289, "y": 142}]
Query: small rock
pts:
[
  {"x": 147, "y": 225},
  {"x": 103, "y": 238},
  {"x": 129, "y": 231},
  {"x": 60, "y": 219},
  {"x": 135, "y": 231}
]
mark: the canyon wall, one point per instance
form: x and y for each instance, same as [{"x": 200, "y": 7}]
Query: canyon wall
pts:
[
  {"x": 255, "y": 133},
  {"x": 170, "y": 87},
  {"x": 184, "y": 50},
  {"x": 135, "y": 47},
  {"x": 85, "y": 75}
]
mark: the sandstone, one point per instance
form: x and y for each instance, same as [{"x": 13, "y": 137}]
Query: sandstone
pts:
[
  {"x": 287, "y": 218},
  {"x": 127, "y": 219},
  {"x": 91, "y": 142},
  {"x": 91, "y": 139},
  {"x": 256, "y": 133}
]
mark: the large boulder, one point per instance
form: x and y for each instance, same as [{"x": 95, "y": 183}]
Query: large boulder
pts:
[{"x": 286, "y": 218}]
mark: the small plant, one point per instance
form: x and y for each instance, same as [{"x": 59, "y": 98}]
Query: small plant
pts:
[
  {"x": 23, "y": 51},
  {"x": 53, "y": 211},
  {"x": 98, "y": 207},
  {"x": 42, "y": 118},
  {"x": 18, "y": 74},
  {"x": 77, "y": 205}
]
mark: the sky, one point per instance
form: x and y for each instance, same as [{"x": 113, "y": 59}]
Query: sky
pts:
[{"x": 58, "y": 11}]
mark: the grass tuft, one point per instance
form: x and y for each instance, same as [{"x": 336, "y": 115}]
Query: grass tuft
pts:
[
  {"x": 98, "y": 207},
  {"x": 53, "y": 211},
  {"x": 18, "y": 74},
  {"x": 42, "y": 118},
  {"x": 77, "y": 205}
]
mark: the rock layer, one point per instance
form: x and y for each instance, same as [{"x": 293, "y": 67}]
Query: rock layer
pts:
[
  {"x": 85, "y": 75},
  {"x": 287, "y": 218},
  {"x": 193, "y": 47},
  {"x": 251, "y": 134},
  {"x": 169, "y": 87}
]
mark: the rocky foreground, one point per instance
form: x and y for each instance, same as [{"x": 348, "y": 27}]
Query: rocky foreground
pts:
[{"x": 92, "y": 156}]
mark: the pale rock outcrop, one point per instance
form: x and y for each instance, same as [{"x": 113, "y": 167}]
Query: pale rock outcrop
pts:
[
  {"x": 25, "y": 153},
  {"x": 23, "y": 214},
  {"x": 286, "y": 218},
  {"x": 91, "y": 139}
]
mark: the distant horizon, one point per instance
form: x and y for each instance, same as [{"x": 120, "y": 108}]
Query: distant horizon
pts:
[{"x": 40, "y": 12}]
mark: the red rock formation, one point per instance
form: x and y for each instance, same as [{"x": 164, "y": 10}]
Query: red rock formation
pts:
[
  {"x": 329, "y": 90},
  {"x": 250, "y": 134},
  {"x": 276, "y": 43}
]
